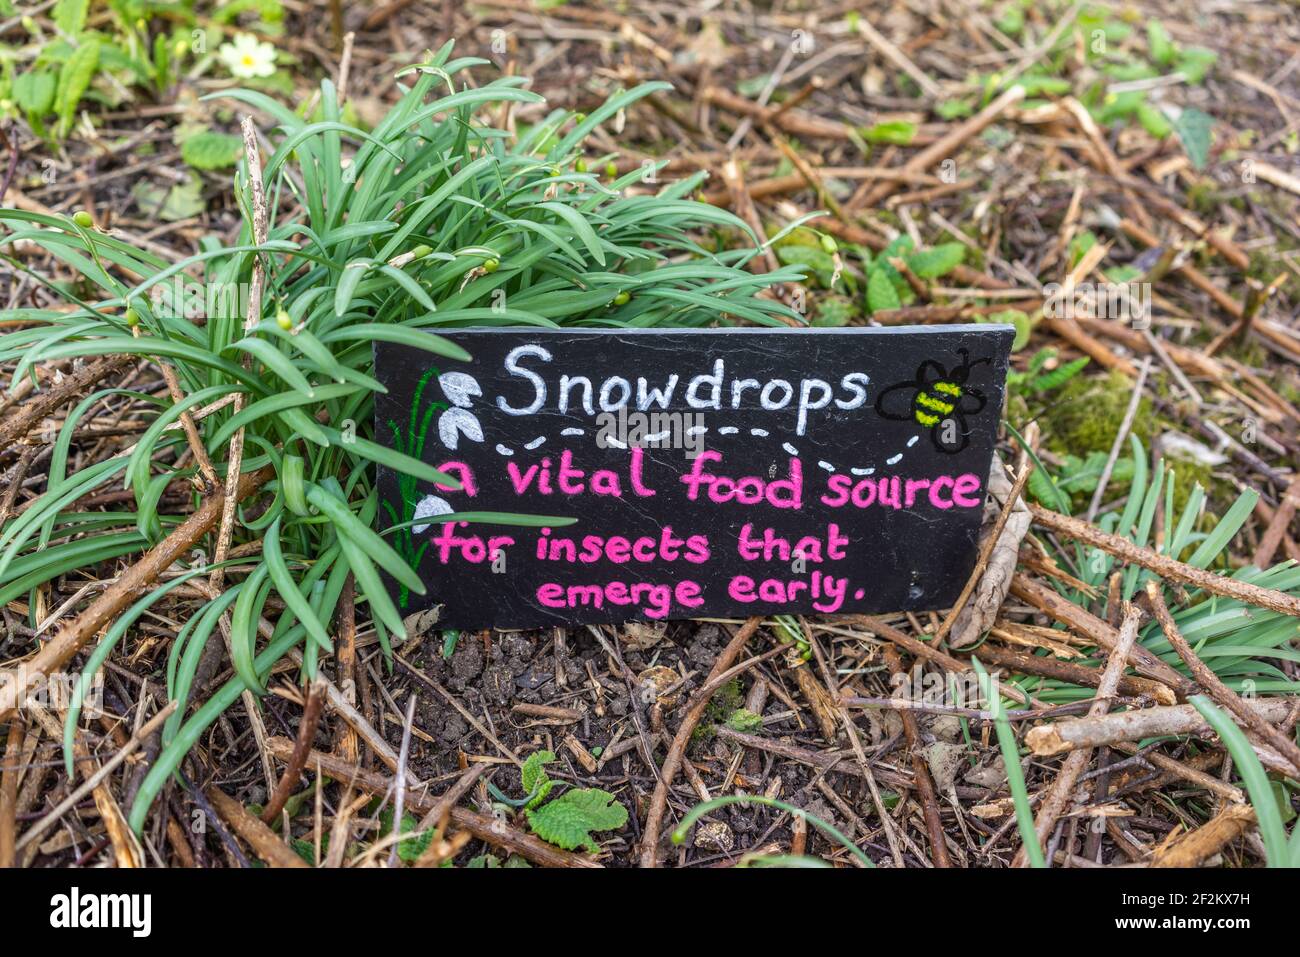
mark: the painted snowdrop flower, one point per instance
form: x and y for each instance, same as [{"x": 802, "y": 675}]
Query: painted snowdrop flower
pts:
[
  {"x": 454, "y": 422},
  {"x": 427, "y": 507},
  {"x": 247, "y": 57},
  {"x": 460, "y": 389}
]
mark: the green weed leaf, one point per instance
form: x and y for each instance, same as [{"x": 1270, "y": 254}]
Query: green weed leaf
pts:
[
  {"x": 70, "y": 15},
  {"x": 211, "y": 150},
  {"x": 938, "y": 261},
  {"x": 1195, "y": 129},
  {"x": 74, "y": 79},
  {"x": 34, "y": 92},
  {"x": 535, "y": 779},
  {"x": 568, "y": 821},
  {"x": 881, "y": 293}
]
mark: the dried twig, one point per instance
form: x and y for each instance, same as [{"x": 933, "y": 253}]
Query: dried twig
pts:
[
  {"x": 9, "y": 793},
  {"x": 1163, "y": 721},
  {"x": 19, "y": 423},
  {"x": 298, "y": 760},
  {"x": 266, "y": 844},
  {"x": 948, "y": 144},
  {"x": 1168, "y": 568},
  {"x": 921, "y": 772},
  {"x": 1062, "y": 789},
  {"x": 1193, "y": 849},
  {"x": 253, "y": 165},
  {"x": 1097, "y": 631}
]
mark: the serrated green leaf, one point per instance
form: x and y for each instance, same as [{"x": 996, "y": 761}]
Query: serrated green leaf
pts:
[
  {"x": 1195, "y": 129},
  {"x": 1080, "y": 244},
  {"x": 70, "y": 15},
  {"x": 834, "y": 311},
  {"x": 535, "y": 779},
  {"x": 74, "y": 79},
  {"x": 34, "y": 92},
  {"x": 1015, "y": 317},
  {"x": 742, "y": 719},
  {"x": 1060, "y": 375},
  {"x": 881, "y": 294},
  {"x": 954, "y": 109},
  {"x": 170, "y": 203},
  {"x": 409, "y": 848},
  {"x": 568, "y": 821},
  {"x": 817, "y": 261},
  {"x": 210, "y": 150},
  {"x": 937, "y": 261}
]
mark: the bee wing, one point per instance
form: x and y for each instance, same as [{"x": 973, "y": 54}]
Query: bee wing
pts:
[
  {"x": 930, "y": 371},
  {"x": 896, "y": 401},
  {"x": 976, "y": 396}
]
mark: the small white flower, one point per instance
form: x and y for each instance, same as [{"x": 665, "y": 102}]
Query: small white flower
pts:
[{"x": 247, "y": 57}]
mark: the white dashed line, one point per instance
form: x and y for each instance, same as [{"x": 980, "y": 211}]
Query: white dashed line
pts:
[
  {"x": 535, "y": 442},
  {"x": 826, "y": 465},
  {"x": 505, "y": 451},
  {"x": 728, "y": 430},
  {"x": 789, "y": 448},
  {"x": 573, "y": 432}
]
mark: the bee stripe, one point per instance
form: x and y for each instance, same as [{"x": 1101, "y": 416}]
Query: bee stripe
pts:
[
  {"x": 927, "y": 420},
  {"x": 947, "y": 388},
  {"x": 933, "y": 404}
]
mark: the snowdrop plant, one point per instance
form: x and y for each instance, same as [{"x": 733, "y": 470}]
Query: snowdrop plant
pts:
[{"x": 429, "y": 222}]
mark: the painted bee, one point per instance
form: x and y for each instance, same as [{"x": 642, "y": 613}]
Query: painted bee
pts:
[{"x": 938, "y": 399}]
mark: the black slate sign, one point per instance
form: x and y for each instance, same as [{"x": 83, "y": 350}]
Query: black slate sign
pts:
[{"x": 711, "y": 472}]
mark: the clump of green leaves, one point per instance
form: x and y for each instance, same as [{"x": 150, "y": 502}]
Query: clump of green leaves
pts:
[
  {"x": 886, "y": 286},
  {"x": 569, "y": 820},
  {"x": 140, "y": 49},
  {"x": 1119, "y": 57},
  {"x": 389, "y": 238}
]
